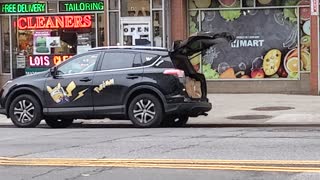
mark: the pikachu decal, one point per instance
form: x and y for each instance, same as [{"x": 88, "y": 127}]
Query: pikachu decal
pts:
[{"x": 61, "y": 96}]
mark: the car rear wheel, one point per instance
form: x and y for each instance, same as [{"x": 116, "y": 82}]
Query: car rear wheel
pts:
[
  {"x": 175, "y": 121},
  {"x": 25, "y": 111},
  {"x": 59, "y": 123},
  {"x": 145, "y": 111}
]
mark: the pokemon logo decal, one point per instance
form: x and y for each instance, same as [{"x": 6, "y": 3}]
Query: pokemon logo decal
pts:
[
  {"x": 61, "y": 96},
  {"x": 104, "y": 85}
]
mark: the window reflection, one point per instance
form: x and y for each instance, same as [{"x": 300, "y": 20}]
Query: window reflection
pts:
[{"x": 135, "y": 8}]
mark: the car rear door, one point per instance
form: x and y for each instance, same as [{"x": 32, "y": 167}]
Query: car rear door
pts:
[{"x": 118, "y": 72}]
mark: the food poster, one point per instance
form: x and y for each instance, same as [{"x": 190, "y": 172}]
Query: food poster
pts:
[
  {"x": 40, "y": 43},
  {"x": 305, "y": 36},
  {"x": 266, "y": 44}
]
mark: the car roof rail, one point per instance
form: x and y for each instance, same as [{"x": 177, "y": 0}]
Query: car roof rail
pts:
[{"x": 130, "y": 47}]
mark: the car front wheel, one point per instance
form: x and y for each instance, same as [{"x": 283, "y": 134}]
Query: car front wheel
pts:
[
  {"x": 145, "y": 111},
  {"x": 58, "y": 123},
  {"x": 25, "y": 111}
]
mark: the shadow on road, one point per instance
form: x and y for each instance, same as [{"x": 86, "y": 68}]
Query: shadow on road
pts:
[{"x": 130, "y": 126}]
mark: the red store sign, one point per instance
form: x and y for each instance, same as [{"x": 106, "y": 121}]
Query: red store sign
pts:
[
  {"x": 54, "y": 22},
  {"x": 46, "y": 60}
]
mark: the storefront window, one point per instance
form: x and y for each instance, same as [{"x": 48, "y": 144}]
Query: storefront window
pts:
[
  {"x": 193, "y": 22},
  {"x": 5, "y": 44},
  {"x": 266, "y": 44},
  {"x": 101, "y": 27},
  {"x": 281, "y": 2},
  {"x": 156, "y": 3},
  {"x": 248, "y": 3},
  {"x": 193, "y": 4},
  {"x": 44, "y": 45},
  {"x": 305, "y": 38},
  {"x": 157, "y": 28},
  {"x": 135, "y": 8},
  {"x": 52, "y": 6},
  {"x": 263, "y": 47},
  {"x": 113, "y": 4},
  {"x": 114, "y": 28}
]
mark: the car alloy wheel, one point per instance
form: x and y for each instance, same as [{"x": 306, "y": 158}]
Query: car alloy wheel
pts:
[
  {"x": 25, "y": 111},
  {"x": 145, "y": 111}
]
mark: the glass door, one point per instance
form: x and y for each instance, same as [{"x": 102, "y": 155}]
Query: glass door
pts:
[{"x": 136, "y": 31}]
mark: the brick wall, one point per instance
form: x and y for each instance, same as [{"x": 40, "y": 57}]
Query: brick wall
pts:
[
  {"x": 314, "y": 56},
  {"x": 178, "y": 20}
]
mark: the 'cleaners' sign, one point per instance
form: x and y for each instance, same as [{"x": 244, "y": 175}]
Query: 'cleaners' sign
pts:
[{"x": 54, "y": 22}]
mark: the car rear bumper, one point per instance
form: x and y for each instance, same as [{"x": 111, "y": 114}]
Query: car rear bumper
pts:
[{"x": 192, "y": 109}]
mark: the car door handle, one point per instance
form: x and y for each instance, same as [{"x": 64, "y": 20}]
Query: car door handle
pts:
[
  {"x": 132, "y": 77},
  {"x": 86, "y": 79}
]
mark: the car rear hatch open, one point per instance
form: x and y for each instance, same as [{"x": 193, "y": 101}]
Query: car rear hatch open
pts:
[{"x": 183, "y": 50}]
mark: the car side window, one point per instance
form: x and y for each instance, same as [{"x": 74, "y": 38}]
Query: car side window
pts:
[
  {"x": 84, "y": 63},
  {"x": 118, "y": 60}
]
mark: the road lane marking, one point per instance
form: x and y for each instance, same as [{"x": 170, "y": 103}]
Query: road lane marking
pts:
[{"x": 235, "y": 165}]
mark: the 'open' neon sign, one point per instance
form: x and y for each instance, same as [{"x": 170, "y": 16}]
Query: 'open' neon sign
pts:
[{"x": 54, "y": 22}]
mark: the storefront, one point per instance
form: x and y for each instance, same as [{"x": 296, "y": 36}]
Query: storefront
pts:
[
  {"x": 274, "y": 52},
  {"x": 137, "y": 22},
  {"x": 39, "y": 35},
  {"x": 271, "y": 52}
]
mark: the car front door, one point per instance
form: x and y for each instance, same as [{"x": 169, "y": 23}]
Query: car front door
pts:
[
  {"x": 118, "y": 72},
  {"x": 70, "y": 91}
]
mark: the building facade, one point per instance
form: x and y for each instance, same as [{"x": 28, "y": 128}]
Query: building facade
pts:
[{"x": 275, "y": 51}]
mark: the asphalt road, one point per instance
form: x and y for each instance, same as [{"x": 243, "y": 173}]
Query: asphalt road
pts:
[{"x": 230, "y": 152}]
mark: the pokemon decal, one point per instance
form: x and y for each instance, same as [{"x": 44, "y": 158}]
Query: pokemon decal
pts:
[
  {"x": 104, "y": 85},
  {"x": 61, "y": 96}
]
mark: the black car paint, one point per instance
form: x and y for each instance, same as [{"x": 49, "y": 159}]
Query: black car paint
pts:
[{"x": 111, "y": 101}]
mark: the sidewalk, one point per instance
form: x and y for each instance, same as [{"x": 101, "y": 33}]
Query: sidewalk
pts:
[{"x": 273, "y": 109}]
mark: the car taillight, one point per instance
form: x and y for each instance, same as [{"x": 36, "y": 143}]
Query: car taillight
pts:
[{"x": 175, "y": 72}]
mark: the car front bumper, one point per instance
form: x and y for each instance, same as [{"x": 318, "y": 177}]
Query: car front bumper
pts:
[{"x": 192, "y": 109}]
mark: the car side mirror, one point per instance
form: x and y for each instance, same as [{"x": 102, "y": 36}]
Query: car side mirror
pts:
[{"x": 53, "y": 72}]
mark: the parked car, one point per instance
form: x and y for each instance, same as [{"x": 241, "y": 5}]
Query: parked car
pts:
[{"x": 149, "y": 86}]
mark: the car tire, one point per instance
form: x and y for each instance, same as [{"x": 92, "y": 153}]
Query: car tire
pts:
[
  {"x": 25, "y": 111},
  {"x": 59, "y": 122},
  {"x": 174, "y": 121},
  {"x": 145, "y": 111}
]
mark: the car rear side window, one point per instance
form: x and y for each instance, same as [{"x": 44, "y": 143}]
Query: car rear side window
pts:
[
  {"x": 164, "y": 62},
  {"x": 119, "y": 60},
  {"x": 148, "y": 59}
]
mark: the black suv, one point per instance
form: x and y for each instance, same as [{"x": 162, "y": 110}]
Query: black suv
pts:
[{"x": 150, "y": 86}]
